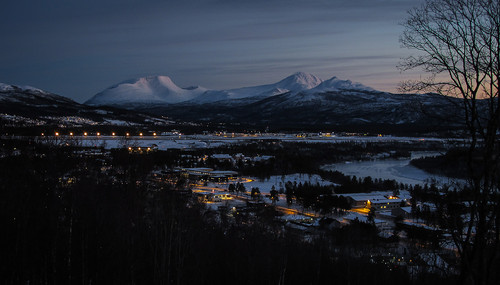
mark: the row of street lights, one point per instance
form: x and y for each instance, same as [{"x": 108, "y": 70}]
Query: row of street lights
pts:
[{"x": 57, "y": 134}]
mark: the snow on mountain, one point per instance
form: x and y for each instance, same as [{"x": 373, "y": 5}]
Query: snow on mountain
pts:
[
  {"x": 162, "y": 90},
  {"x": 6, "y": 87},
  {"x": 28, "y": 95},
  {"x": 294, "y": 83},
  {"x": 146, "y": 90},
  {"x": 299, "y": 81},
  {"x": 336, "y": 84}
]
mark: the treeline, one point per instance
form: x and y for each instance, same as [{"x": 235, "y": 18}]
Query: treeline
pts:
[
  {"x": 452, "y": 164},
  {"x": 298, "y": 157},
  {"x": 353, "y": 184},
  {"x": 317, "y": 197}
]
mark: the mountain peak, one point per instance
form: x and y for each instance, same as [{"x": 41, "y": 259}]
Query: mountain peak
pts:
[
  {"x": 6, "y": 87},
  {"x": 161, "y": 89},
  {"x": 299, "y": 81},
  {"x": 158, "y": 89},
  {"x": 336, "y": 84}
]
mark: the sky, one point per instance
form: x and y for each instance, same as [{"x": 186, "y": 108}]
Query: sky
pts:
[{"x": 77, "y": 48}]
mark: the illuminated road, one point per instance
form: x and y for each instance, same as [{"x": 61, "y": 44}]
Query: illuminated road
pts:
[{"x": 285, "y": 210}]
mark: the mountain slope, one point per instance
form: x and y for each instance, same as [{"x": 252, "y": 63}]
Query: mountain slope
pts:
[
  {"x": 146, "y": 90},
  {"x": 329, "y": 108},
  {"x": 28, "y": 106},
  {"x": 336, "y": 84},
  {"x": 296, "y": 82},
  {"x": 162, "y": 90}
]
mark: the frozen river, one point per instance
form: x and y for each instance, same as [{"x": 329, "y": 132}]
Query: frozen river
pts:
[{"x": 397, "y": 169}]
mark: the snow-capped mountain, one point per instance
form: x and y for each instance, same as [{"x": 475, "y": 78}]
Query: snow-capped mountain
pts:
[
  {"x": 25, "y": 106},
  {"x": 146, "y": 90},
  {"x": 161, "y": 90},
  {"x": 6, "y": 87},
  {"x": 294, "y": 83},
  {"x": 341, "y": 108},
  {"x": 29, "y": 95},
  {"x": 156, "y": 90},
  {"x": 298, "y": 101},
  {"x": 336, "y": 84}
]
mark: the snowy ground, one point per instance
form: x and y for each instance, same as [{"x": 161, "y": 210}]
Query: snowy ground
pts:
[
  {"x": 209, "y": 141},
  {"x": 266, "y": 185}
]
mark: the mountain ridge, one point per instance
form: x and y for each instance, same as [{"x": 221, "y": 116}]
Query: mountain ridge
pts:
[
  {"x": 331, "y": 103},
  {"x": 151, "y": 89},
  {"x": 162, "y": 90}
]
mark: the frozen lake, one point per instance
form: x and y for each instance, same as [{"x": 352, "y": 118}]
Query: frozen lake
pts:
[{"x": 397, "y": 169}]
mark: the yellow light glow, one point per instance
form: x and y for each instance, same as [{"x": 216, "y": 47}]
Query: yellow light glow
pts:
[
  {"x": 85, "y": 134},
  {"x": 70, "y": 134},
  {"x": 113, "y": 134},
  {"x": 43, "y": 134},
  {"x": 57, "y": 133},
  {"x": 140, "y": 134},
  {"x": 154, "y": 134},
  {"x": 128, "y": 134},
  {"x": 98, "y": 134}
]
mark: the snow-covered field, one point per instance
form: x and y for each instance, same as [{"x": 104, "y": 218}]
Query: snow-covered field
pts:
[
  {"x": 266, "y": 185},
  {"x": 209, "y": 141}
]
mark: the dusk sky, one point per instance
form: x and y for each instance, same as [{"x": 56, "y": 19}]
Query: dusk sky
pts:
[{"x": 77, "y": 48}]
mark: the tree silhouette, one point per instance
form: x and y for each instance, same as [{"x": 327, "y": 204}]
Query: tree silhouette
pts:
[
  {"x": 274, "y": 195},
  {"x": 458, "y": 44}
]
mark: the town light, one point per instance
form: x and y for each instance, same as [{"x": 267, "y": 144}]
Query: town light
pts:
[
  {"x": 70, "y": 134},
  {"x": 140, "y": 134},
  {"x": 85, "y": 134},
  {"x": 57, "y": 134},
  {"x": 113, "y": 134},
  {"x": 98, "y": 133},
  {"x": 128, "y": 134}
]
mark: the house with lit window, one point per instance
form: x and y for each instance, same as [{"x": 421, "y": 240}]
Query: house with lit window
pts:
[{"x": 384, "y": 204}]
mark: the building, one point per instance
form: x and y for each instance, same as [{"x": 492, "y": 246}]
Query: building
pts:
[
  {"x": 374, "y": 200},
  {"x": 207, "y": 174},
  {"x": 384, "y": 204},
  {"x": 208, "y": 197},
  {"x": 403, "y": 212}
]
